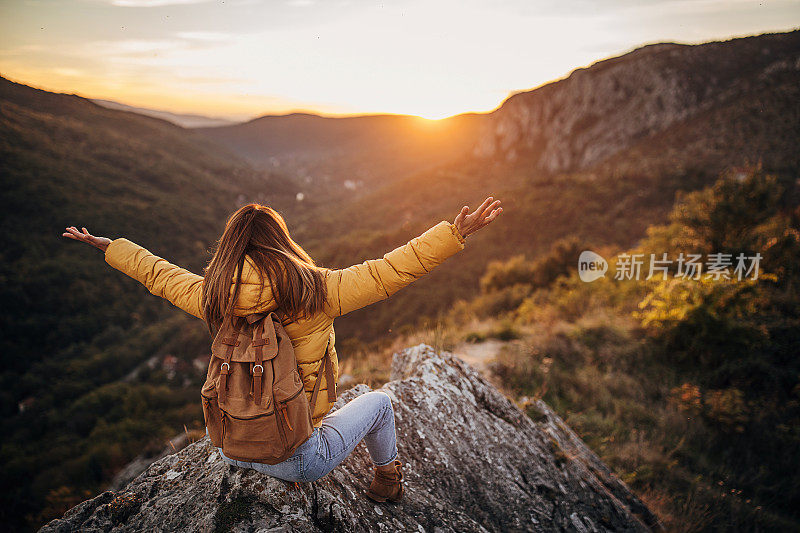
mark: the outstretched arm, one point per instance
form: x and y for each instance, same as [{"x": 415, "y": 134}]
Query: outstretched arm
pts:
[
  {"x": 376, "y": 279},
  {"x": 181, "y": 287}
]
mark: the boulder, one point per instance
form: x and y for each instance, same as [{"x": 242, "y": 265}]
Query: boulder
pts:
[{"x": 473, "y": 461}]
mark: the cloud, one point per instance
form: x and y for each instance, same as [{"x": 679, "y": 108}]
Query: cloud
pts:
[
  {"x": 23, "y": 50},
  {"x": 64, "y": 71},
  {"x": 154, "y": 3},
  {"x": 131, "y": 47},
  {"x": 163, "y": 3},
  {"x": 214, "y": 36}
]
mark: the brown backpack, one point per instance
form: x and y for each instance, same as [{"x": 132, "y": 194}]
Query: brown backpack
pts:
[{"x": 254, "y": 404}]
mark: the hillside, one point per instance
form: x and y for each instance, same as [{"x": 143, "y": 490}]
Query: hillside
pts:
[
  {"x": 68, "y": 161},
  {"x": 687, "y": 389},
  {"x": 549, "y": 156},
  {"x": 96, "y": 369},
  {"x": 349, "y": 155},
  {"x": 70, "y": 328},
  {"x": 618, "y": 103},
  {"x": 460, "y": 475},
  {"x": 183, "y": 120}
]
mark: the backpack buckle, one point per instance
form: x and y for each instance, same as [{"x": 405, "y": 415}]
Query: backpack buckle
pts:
[
  {"x": 223, "y": 369},
  {"x": 261, "y": 371}
]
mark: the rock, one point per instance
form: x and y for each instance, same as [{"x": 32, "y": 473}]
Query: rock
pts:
[
  {"x": 346, "y": 381},
  {"x": 473, "y": 462},
  {"x": 598, "y": 111},
  {"x": 139, "y": 463}
]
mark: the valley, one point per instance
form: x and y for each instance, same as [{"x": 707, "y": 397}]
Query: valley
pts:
[{"x": 598, "y": 160}]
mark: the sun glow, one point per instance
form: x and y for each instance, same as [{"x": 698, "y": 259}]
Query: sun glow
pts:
[{"x": 246, "y": 58}]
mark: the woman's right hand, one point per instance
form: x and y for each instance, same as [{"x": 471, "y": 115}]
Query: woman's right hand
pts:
[
  {"x": 467, "y": 223},
  {"x": 84, "y": 236}
]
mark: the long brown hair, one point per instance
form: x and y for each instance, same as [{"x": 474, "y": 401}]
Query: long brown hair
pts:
[{"x": 260, "y": 232}]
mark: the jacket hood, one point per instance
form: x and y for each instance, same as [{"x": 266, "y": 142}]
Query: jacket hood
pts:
[{"x": 252, "y": 299}]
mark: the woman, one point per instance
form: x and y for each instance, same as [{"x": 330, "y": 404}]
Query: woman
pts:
[{"x": 258, "y": 268}]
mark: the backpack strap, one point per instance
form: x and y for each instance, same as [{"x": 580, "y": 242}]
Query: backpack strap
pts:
[
  {"x": 259, "y": 341},
  {"x": 231, "y": 342},
  {"x": 329, "y": 375},
  {"x": 326, "y": 365}
]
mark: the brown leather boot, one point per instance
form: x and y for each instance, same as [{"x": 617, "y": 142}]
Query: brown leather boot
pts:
[{"x": 387, "y": 485}]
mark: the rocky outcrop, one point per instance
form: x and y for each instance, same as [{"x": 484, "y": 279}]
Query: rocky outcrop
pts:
[
  {"x": 473, "y": 462},
  {"x": 598, "y": 111}
]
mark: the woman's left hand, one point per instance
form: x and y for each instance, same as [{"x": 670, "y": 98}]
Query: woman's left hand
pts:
[
  {"x": 98, "y": 242},
  {"x": 468, "y": 223}
]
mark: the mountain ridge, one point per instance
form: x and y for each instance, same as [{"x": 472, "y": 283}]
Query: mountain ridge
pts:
[
  {"x": 562, "y": 121},
  {"x": 604, "y": 189},
  {"x": 71, "y": 327},
  {"x": 67, "y": 160},
  {"x": 184, "y": 120},
  {"x": 335, "y": 155}
]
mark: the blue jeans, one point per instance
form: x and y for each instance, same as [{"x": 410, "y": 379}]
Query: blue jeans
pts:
[{"x": 369, "y": 417}]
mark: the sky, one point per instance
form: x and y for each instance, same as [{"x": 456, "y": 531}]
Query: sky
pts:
[{"x": 244, "y": 58}]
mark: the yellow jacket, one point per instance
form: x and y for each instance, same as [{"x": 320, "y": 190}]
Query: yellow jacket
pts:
[{"x": 348, "y": 289}]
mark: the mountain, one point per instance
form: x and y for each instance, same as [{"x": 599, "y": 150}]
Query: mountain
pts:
[
  {"x": 97, "y": 372},
  {"x": 181, "y": 119},
  {"x": 342, "y": 155},
  {"x": 72, "y": 330},
  {"x": 598, "y": 156},
  {"x": 618, "y": 103},
  {"x": 474, "y": 462},
  {"x": 65, "y": 161},
  {"x": 733, "y": 98}
]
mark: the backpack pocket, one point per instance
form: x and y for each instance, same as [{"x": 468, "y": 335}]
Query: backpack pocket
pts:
[
  {"x": 287, "y": 386},
  {"x": 253, "y": 439},
  {"x": 293, "y": 410},
  {"x": 213, "y": 418}
]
